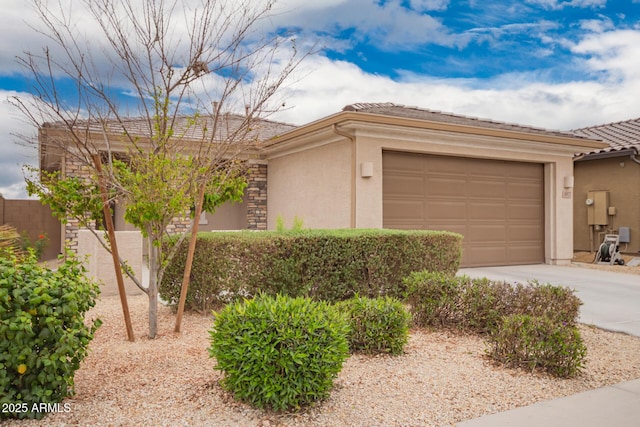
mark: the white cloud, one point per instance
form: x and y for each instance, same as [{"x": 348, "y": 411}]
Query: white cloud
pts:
[
  {"x": 614, "y": 53},
  {"x": 428, "y": 5},
  {"x": 387, "y": 25},
  {"x": 613, "y": 58},
  {"x": 597, "y": 25},
  {"x": 559, "y": 4},
  {"x": 515, "y": 98},
  {"x": 14, "y": 154}
]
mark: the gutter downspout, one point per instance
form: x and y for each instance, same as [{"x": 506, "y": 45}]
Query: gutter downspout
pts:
[
  {"x": 352, "y": 139},
  {"x": 633, "y": 156}
]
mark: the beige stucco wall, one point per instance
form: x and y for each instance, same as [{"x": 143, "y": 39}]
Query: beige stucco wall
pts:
[
  {"x": 99, "y": 262},
  {"x": 620, "y": 176},
  {"x": 229, "y": 216},
  {"x": 314, "y": 185}
]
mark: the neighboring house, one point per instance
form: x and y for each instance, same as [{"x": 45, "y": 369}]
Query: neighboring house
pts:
[
  {"x": 607, "y": 187},
  {"x": 507, "y": 188}
]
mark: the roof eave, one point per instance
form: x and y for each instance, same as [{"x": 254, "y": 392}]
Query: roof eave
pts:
[
  {"x": 607, "y": 154},
  {"x": 290, "y": 137}
]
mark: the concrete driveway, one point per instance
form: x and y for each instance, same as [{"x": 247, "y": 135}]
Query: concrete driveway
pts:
[{"x": 611, "y": 300}]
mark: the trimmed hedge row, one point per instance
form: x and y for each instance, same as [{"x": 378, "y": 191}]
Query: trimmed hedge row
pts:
[
  {"x": 479, "y": 305},
  {"x": 329, "y": 265}
]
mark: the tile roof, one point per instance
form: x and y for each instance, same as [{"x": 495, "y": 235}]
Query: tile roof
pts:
[
  {"x": 391, "y": 109},
  {"x": 184, "y": 127},
  {"x": 620, "y": 135}
]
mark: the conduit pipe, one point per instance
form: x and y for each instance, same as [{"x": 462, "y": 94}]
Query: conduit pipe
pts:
[{"x": 352, "y": 139}]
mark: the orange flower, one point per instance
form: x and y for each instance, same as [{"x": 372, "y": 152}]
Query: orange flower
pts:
[
  {"x": 22, "y": 369},
  {"x": 41, "y": 236}
]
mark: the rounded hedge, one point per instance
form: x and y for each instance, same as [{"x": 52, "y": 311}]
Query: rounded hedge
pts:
[
  {"x": 378, "y": 325},
  {"x": 279, "y": 352},
  {"x": 43, "y": 335},
  {"x": 538, "y": 342}
]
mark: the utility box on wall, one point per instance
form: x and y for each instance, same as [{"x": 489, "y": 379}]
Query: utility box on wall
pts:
[
  {"x": 625, "y": 234},
  {"x": 597, "y": 207}
]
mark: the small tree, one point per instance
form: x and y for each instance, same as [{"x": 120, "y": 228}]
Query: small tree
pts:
[{"x": 185, "y": 70}]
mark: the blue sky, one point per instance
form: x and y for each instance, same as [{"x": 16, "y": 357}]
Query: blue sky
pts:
[{"x": 548, "y": 63}]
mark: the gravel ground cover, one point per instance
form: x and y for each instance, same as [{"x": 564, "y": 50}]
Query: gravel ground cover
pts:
[{"x": 442, "y": 379}]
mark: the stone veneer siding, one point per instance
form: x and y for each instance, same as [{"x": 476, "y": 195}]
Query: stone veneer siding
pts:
[
  {"x": 256, "y": 196},
  {"x": 73, "y": 167}
]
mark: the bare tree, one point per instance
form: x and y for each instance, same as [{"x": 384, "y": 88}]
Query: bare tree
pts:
[{"x": 169, "y": 96}]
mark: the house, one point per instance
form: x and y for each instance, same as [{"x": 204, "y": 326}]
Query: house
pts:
[
  {"x": 607, "y": 187},
  {"x": 507, "y": 188}
]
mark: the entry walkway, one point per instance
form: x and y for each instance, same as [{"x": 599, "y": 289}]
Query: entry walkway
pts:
[{"x": 611, "y": 301}]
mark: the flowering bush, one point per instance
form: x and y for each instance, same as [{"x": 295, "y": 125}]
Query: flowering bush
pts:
[{"x": 38, "y": 245}]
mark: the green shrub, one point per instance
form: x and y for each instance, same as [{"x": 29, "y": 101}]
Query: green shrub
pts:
[
  {"x": 282, "y": 353},
  {"x": 378, "y": 325},
  {"x": 330, "y": 265},
  {"x": 38, "y": 245},
  {"x": 537, "y": 342},
  {"x": 43, "y": 337},
  {"x": 477, "y": 305},
  {"x": 483, "y": 303},
  {"x": 433, "y": 297},
  {"x": 558, "y": 303}
]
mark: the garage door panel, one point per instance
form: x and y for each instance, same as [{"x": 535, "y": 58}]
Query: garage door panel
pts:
[
  {"x": 524, "y": 191},
  {"x": 405, "y": 209},
  {"x": 446, "y": 165},
  {"x": 441, "y": 186},
  {"x": 404, "y": 162},
  {"x": 484, "y": 188},
  {"x": 487, "y": 233},
  {"x": 521, "y": 233},
  {"x": 486, "y": 168},
  {"x": 445, "y": 210},
  {"x": 483, "y": 210},
  {"x": 402, "y": 184},
  {"x": 498, "y": 206},
  {"x": 524, "y": 170},
  {"x": 477, "y": 256},
  {"x": 525, "y": 212}
]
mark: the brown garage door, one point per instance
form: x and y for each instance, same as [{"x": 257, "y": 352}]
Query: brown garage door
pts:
[{"x": 498, "y": 206}]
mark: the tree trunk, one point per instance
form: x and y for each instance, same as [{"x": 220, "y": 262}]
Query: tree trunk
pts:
[{"x": 154, "y": 264}]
